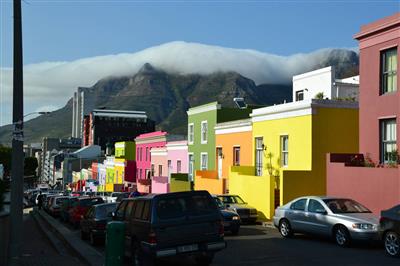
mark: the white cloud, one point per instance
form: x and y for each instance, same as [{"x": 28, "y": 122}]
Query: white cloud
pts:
[{"x": 52, "y": 83}]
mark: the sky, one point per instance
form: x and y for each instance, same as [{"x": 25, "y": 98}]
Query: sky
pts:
[{"x": 57, "y": 32}]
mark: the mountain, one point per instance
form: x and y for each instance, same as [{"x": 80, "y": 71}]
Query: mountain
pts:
[{"x": 166, "y": 96}]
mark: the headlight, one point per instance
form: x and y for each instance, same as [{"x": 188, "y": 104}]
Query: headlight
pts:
[
  {"x": 364, "y": 226},
  {"x": 235, "y": 218}
]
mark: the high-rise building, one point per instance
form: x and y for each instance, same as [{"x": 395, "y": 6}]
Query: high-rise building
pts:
[{"x": 82, "y": 105}]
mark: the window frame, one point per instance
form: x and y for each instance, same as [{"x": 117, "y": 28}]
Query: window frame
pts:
[
  {"x": 236, "y": 162},
  {"x": 259, "y": 161},
  {"x": 384, "y": 143},
  {"x": 284, "y": 162},
  {"x": 178, "y": 166},
  {"x": 384, "y": 74},
  {"x": 191, "y": 134},
  {"x": 297, "y": 93},
  {"x": 201, "y": 161},
  {"x": 204, "y": 141},
  {"x": 305, "y": 205}
]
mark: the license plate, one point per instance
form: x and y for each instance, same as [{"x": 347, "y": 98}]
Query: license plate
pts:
[{"x": 188, "y": 248}]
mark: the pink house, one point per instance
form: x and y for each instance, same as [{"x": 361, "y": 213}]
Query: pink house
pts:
[
  {"x": 376, "y": 187},
  {"x": 177, "y": 153}
]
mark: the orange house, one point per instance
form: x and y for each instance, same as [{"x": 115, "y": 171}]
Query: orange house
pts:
[{"x": 233, "y": 142}]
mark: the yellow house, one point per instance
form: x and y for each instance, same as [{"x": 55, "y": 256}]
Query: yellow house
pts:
[{"x": 290, "y": 142}]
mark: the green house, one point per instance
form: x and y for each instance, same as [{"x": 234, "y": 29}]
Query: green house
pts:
[
  {"x": 201, "y": 135},
  {"x": 125, "y": 150}
]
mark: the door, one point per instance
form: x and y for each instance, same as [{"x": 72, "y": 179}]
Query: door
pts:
[
  {"x": 219, "y": 161},
  {"x": 317, "y": 218},
  {"x": 297, "y": 216}
]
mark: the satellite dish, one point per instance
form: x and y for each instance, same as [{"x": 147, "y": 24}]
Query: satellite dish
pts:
[{"x": 240, "y": 103}]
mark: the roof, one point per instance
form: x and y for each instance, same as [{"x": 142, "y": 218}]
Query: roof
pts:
[
  {"x": 378, "y": 26},
  {"x": 119, "y": 113}
]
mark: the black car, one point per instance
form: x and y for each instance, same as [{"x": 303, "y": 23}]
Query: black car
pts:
[
  {"x": 94, "y": 222},
  {"x": 172, "y": 224},
  {"x": 390, "y": 226},
  {"x": 231, "y": 218}
]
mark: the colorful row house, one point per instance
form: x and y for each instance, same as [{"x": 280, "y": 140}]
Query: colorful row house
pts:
[
  {"x": 374, "y": 172},
  {"x": 202, "y": 153}
]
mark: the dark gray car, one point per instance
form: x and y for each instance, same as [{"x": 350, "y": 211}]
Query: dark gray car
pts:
[
  {"x": 172, "y": 224},
  {"x": 340, "y": 218}
]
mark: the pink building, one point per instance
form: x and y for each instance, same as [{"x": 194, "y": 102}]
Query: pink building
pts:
[
  {"x": 177, "y": 153},
  {"x": 377, "y": 188}
]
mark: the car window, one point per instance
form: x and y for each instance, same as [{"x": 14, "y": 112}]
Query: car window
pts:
[
  {"x": 299, "y": 205},
  {"x": 121, "y": 209},
  {"x": 105, "y": 210},
  {"x": 146, "y": 210},
  {"x": 171, "y": 208},
  {"x": 129, "y": 209},
  {"x": 89, "y": 214},
  {"x": 139, "y": 209},
  {"x": 202, "y": 204},
  {"x": 345, "y": 206},
  {"x": 315, "y": 206}
]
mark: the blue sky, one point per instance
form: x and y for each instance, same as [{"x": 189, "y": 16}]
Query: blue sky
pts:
[{"x": 69, "y": 30}]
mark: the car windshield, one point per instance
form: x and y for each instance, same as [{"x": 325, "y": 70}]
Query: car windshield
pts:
[
  {"x": 345, "y": 206},
  {"x": 232, "y": 200},
  {"x": 219, "y": 203},
  {"x": 105, "y": 210}
]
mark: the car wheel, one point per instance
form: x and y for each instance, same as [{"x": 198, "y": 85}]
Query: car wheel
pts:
[
  {"x": 205, "y": 259},
  {"x": 342, "y": 236},
  {"x": 392, "y": 244},
  {"x": 285, "y": 229}
]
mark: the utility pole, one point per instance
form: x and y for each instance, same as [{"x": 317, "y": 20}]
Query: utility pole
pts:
[{"x": 17, "y": 169}]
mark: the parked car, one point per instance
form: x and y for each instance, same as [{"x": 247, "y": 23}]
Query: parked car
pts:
[
  {"x": 48, "y": 201},
  {"x": 390, "y": 225},
  {"x": 94, "y": 222},
  {"x": 246, "y": 212},
  {"x": 172, "y": 224},
  {"x": 55, "y": 205},
  {"x": 66, "y": 205},
  {"x": 80, "y": 207},
  {"x": 121, "y": 196},
  {"x": 343, "y": 219},
  {"x": 231, "y": 218}
]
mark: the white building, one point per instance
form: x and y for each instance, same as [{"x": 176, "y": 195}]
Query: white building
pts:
[
  {"x": 82, "y": 105},
  {"x": 307, "y": 85}
]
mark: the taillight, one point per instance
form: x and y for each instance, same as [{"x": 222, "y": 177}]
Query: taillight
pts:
[
  {"x": 221, "y": 228},
  {"x": 152, "y": 238}
]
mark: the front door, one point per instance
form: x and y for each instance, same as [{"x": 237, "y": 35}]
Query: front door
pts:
[{"x": 219, "y": 161}]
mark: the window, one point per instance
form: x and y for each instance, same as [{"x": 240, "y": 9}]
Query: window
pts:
[
  {"x": 129, "y": 209},
  {"x": 178, "y": 166},
  {"x": 137, "y": 154},
  {"x": 284, "y": 150},
  {"x": 160, "y": 170},
  {"x": 140, "y": 173},
  {"x": 299, "y": 95},
  {"x": 120, "y": 210},
  {"x": 139, "y": 210},
  {"x": 299, "y": 205},
  {"x": 259, "y": 156},
  {"x": 169, "y": 167},
  {"x": 191, "y": 166},
  {"x": 236, "y": 156},
  {"x": 204, "y": 132},
  {"x": 152, "y": 170},
  {"x": 315, "y": 206},
  {"x": 147, "y": 153},
  {"x": 191, "y": 133},
  {"x": 204, "y": 161},
  {"x": 146, "y": 211},
  {"x": 388, "y": 141},
  {"x": 389, "y": 71}
]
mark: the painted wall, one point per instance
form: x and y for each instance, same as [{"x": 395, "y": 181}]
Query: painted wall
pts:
[
  {"x": 178, "y": 150},
  {"x": 208, "y": 180},
  {"x": 159, "y": 158},
  {"x": 145, "y": 142},
  {"x": 180, "y": 182},
  {"x": 125, "y": 150},
  {"x": 159, "y": 185},
  {"x": 376, "y": 188},
  {"x": 374, "y": 106},
  {"x": 313, "y": 82},
  {"x": 257, "y": 191}
]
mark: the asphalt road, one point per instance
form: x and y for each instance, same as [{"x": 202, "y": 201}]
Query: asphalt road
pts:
[{"x": 257, "y": 245}]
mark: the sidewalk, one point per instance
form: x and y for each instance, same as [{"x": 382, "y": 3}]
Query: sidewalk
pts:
[{"x": 37, "y": 250}]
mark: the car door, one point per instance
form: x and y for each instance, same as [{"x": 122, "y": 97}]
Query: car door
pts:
[
  {"x": 317, "y": 220},
  {"x": 296, "y": 215},
  {"x": 130, "y": 207}
]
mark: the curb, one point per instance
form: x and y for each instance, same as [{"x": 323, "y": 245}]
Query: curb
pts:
[{"x": 84, "y": 252}]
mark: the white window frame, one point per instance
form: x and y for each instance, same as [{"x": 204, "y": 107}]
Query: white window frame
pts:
[
  {"x": 191, "y": 134},
  {"x": 298, "y": 94},
  {"x": 191, "y": 165},
  {"x": 204, "y": 141},
  {"x": 234, "y": 155},
  {"x": 385, "y": 143},
  {"x": 201, "y": 161},
  {"x": 283, "y": 152}
]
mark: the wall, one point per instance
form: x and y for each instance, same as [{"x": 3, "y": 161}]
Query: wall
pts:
[
  {"x": 119, "y": 171},
  {"x": 159, "y": 158},
  {"x": 159, "y": 185},
  {"x": 376, "y": 188},
  {"x": 257, "y": 191},
  {"x": 373, "y": 105},
  {"x": 179, "y": 182},
  {"x": 316, "y": 81},
  {"x": 208, "y": 180},
  {"x": 125, "y": 150},
  {"x": 178, "y": 150}
]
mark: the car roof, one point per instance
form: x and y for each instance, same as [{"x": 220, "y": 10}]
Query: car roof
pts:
[
  {"x": 106, "y": 204},
  {"x": 167, "y": 195}
]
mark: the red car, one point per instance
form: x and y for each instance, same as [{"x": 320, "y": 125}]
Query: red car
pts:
[{"x": 80, "y": 207}]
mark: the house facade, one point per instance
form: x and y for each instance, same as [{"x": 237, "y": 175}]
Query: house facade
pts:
[
  {"x": 378, "y": 184},
  {"x": 202, "y": 153},
  {"x": 233, "y": 142},
  {"x": 289, "y": 145}
]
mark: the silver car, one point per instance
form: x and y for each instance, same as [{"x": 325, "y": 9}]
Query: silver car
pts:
[{"x": 340, "y": 218}]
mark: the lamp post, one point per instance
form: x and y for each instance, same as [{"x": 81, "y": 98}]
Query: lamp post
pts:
[{"x": 17, "y": 139}]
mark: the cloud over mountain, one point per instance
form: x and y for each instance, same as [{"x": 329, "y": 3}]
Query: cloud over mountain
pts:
[{"x": 52, "y": 83}]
